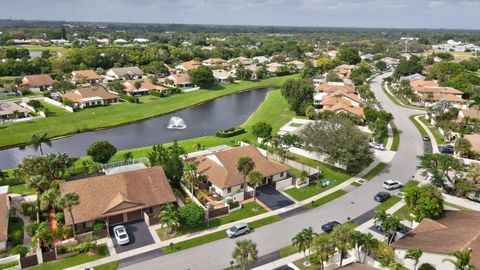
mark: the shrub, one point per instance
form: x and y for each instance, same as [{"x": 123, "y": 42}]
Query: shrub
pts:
[
  {"x": 8, "y": 265},
  {"x": 130, "y": 99},
  {"x": 230, "y": 132},
  {"x": 16, "y": 237},
  {"x": 101, "y": 151},
  {"x": 29, "y": 209},
  {"x": 98, "y": 226},
  {"x": 233, "y": 204},
  {"x": 159, "y": 94},
  {"x": 191, "y": 215},
  {"x": 20, "y": 250},
  {"x": 262, "y": 130}
]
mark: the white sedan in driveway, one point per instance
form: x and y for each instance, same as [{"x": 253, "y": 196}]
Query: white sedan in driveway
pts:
[
  {"x": 121, "y": 235},
  {"x": 392, "y": 184}
]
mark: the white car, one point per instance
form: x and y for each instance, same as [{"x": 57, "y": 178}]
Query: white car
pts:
[
  {"x": 237, "y": 230},
  {"x": 377, "y": 146},
  {"x": 121, "y": 235},
  {"x": 392, "y": 184}
]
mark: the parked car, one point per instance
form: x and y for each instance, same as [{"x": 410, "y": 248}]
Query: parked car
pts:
[
  {"x": 377, "y": 146},
  {"x": 121, "y": 235},
  {"x": 237, "y": 230},
  {"x": 382, "y": 196},
  {"x": 328, "y": 227},
  {"x": 446, "y": 149},
  {"x": 426, "y": 138},
  {"x": 392, "y": 184}
]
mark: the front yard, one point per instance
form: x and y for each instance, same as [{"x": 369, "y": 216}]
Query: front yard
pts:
[{"x": 102, "y": 251}]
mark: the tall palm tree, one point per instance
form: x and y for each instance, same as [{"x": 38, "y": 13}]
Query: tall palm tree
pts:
[
  {"x": 324, "y": 248},
  {"x": 40, "y": 184},
  {"x": 50, "y": 199},
  {"x": 414, "y": 254},
  {"x": 255, "y": 178},
  {"x": 303, "y": 240},
  {"x": 244, "y": 166},
  {"x": 388, "y": 225},
  {"x": 343, "y": 235},
  {"x": 37, "y": 140},
  {"x": 462, "y": 260},
  {"x": 370, "y": 243},
  {"x": 190, "y": 177},
  {"x": 245, "y": 253},
  {"x": 68, "y": 201},
  {"x": 168, "y": 217}
]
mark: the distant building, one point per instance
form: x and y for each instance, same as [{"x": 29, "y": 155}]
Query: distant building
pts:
[
  {"x": 41, "y": 82},
  {"x": 412, "y": 77},
  {"x": 129, "y": 73},
  {"x": 145, "y": 87},
  {"x": 11, "y": 110},
  {"x": 189, "y": 65},
  {"x": 88, "y": 76},
  {"x": 221, "y": 76},
  {"x": 178, "y": 80},
  {"x": 90, "y": 97}
]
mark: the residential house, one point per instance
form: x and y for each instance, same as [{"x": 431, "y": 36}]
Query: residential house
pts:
[
  {"x": 221, "y": 76},
  {"x": 186, "y": 66},
  {"x": 90, "y": 97},
  {"x": 296, "y": 64},
  {"x": 129, "y": 73},
  {"x": 4, "y": 213},
  {"x": 324, "y": 89},
  {"x": 468, "y": 113},
  {"x": 261, "y": 59},
  {"x": 391, "y": 62},
  {"x": 344, "y": 71},
  {"x": 86, "y": 76},
  {"x": 220, "y": 168},
  {"x": 367, "y": 56},
  {"x": 214, "y": 62},
  {"x": 412, "y": 77},
  {"x": 40, "y": 82},
  {"x": 273, "y": 67},
  {"x": 120, "y": 41},
  {"x": 343, "y": 102},
  {"x": 241, "y": 60},
  {"x": 332, "y": 54},
  {"x": 453, "y": 231},
  {"x": 116, "y": 198},
  {"x": 430, "y": 93},
  {"x": 145, "y": 87},
  {"x": 177, "y": 80},
  {"x": 11, "y": 110}
]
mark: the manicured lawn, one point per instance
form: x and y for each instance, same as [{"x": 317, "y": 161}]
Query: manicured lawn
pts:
[
  {"x": 355, "y": 184},
  {"x": 403, "y": 213},
  {"x": 417, "y": 125},
  {"x": 436, "y": 134},
  {"x": 287, "y": 251},
  {"x": 74, "y": 260},
  {"x": 264, "y": 221},
  {"x": 371, "y": 174},
  {"x": 108, "y": 266},
  {"x": 326, "y": 199},
  {"x": 64, "y": 123},
  {"x": 388, "y": 203},
  {"x": 314, "y": 264},
  {"x": 409, "y": 184},
  {"x": 21, "y": 189},
  {"x": 396, "y": 139}
]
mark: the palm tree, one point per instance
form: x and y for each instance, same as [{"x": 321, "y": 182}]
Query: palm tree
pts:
[
  {"x": 37, "y": 140},
  {"x": 343, "y": 235},
  {"x": 388, "y": 224},
  {"x": 414, "y": 254},
  {"x": 244, "y": 166},
  {"x": 245, "y": 253},
  {"x": 303, "y": 240},
  {"x": 190, "y": 176},
  {"x": 40, "y": 184},
  {"x": 197, "y": 146},
  {"x": 68, "y": 201},
  {"x": 168, "y": 216},
  {"x": 324, "y": 248},
  {"x": 255, "y": 178},
  {"x": 50, "y": 199},
  {"x": 370, "y": 243},
  {"x": 462, "y": 260}
]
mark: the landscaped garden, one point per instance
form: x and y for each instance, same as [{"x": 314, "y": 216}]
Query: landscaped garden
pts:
[{"x": 101, "y": 252}]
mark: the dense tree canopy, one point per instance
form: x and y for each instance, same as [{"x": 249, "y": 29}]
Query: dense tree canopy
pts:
[
  {"x": 349, "y": 55},
  {"x": 298, "y": 93},
  {"x": 202, "y": 76},
  {"x": 101, "y": 151}
]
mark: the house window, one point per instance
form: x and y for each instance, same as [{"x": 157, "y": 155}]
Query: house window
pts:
[
  {"x": 148, "y": 210},
  {"x": 281, "y": 174},
  {"x": 229, "y": 190}
]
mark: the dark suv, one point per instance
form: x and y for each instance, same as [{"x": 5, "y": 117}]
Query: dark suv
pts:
[
  {"x": 328, "y": 227},
  {"x": 382, "y": 196}
]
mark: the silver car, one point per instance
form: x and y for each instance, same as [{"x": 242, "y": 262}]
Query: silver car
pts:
[
  {"x": 392, "y": 184},
  {"x": 121, "y": 235},
  {"x": 237, "y": 230}
]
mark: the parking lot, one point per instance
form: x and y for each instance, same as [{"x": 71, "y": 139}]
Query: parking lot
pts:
[{"x": 138, "y": 233}]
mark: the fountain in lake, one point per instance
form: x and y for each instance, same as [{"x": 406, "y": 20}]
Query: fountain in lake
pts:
[{"x": 176, "y": 123}]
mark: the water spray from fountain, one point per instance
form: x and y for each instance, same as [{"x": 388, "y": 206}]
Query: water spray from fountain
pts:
[{"x": 176, "y": 123}]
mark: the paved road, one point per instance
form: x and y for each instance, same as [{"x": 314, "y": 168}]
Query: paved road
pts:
[{"x": 217, "y": 255}]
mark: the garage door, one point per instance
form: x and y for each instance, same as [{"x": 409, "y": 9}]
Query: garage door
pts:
[
  {"x": 115, "y": 219},
  {"x": 134, "y": 215}
]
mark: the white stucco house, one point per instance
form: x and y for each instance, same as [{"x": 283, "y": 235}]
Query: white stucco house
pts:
[{"x": 4, "y": 210}]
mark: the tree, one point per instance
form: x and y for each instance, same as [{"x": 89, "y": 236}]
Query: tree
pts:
[
  {"x": 381, "y": 65},
  {"x": 245, "y": 253},
  {"x": 343, "y": 236},
  {"x": 243, "y": 73},
  {"x": 137, "y": 84},
  {"x": 325, "y": 64},
  {"x": 303, "y": 241},
  {"x": 170, "y": 158},
  {"x": 324, "y": 247},
  {"x": 255, "y": 178},
  {"x": 424, "y": 202},
  {"x": 414, "y": 254},
  {"x": 51, "y": 166},
  {"x": 36, "y": 104},
  {"x": 190, "y": 177},
  {"x": 197, "y": 146},
  {"x": 298, "y": 93},
  {"x": 463, "y": 146},
  {"x": 443, "y": 167},
  {"x": 50, "y": 199},
  {"x": 191, "y": 215},
  {"x": 310, "y": 112},
  {"x": 101, "y": 151},
  {"x": 244, "y": 166},
  {"x": 262, "y": 130},
  {"x": 389, "y": 225},
  {"x": 426, "y": 266},
  {"x": 444, "y": 71},
  {"x": 349, "y": 55},
  {"x": 370, "y": 244},
  {"x": 462, "y": 260},
  {"x": 168, "y": 217},
  {"x": 127, "y": 157},
  {"x": 37, "y": 140},
  {"x": 202, "y": 76},
  {"x": 67, "y": 201},
  {"x": 340, "y": 141},
  {"x": 40, "y": 184}
]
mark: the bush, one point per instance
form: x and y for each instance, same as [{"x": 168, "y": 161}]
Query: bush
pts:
[
  {"x": 101, "y": 151},
  {"x": 159, "y": 94},
  {"x": 230, "y": 132},
  {"x": 29, "y": 209},
  {"x": 130, "y": 99},
  {"x": 20, "y": 250},
  {"x": 98, "y": 226},
  {"x": 191, "y": 215},
  {"x": 16, "y": 237},
  {"x": 233, "y": 204},
  {"x": 262, "y": 130}
]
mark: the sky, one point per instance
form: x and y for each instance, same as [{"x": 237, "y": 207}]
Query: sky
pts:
[{"x": 456, "y": 14}]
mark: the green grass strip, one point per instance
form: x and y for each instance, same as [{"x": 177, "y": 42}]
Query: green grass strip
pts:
[
  {"x": 371, "y": 174},
  {"x": 326, "y": 199},
  {"x": 396, "y": 139},
  {"x": 388, "y": 203}
]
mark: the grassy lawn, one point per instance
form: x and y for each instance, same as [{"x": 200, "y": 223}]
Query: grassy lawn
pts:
[
  {"x": 314, "y": 264},
  {"x": 108, "y": 266},
  {"x": 355, "y": 184},
  {"x": 15, "y": 224},
  {"x": 388, "y": 203},
  {"x": 417, "y": 125},
  {"x": 371, "y": 174},
  {"x": 396, "y": 139},
  {"x": 326, "y": 199},
  {"x": 403, "y": 213},
  {"x": 287, "y": 251},
  {"x": 102, "y": 251},
  {"x": 21, "y": 189},
  {"x": 436, "y": 134},
  {"x": 197, "y": 241},
  {"x": 63, "y": 123},
  {"x": 409, "y": 184}
]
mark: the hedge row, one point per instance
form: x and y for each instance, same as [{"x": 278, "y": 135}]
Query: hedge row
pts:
[{"x": 226, "y": 133}]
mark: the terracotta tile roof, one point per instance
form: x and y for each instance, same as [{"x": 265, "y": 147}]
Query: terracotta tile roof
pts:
[
  {"x": 456, "y": 230},
  {"x": 341, "y": 96},
  {"x": 471, "y": 113},
  {"x": 3, "y": 217},
  {"x": 87, "y": 74},
  {"x": 180, "y": 78},
  {"x": 109, "y": 195},
  {"x": 439, "y": 97},
  {"x": 345, "y": 107},
  {"x": 474, "y": 139},
  {"x": 37, "y": 80},
  {"x": 79, "y": 95},
  {"x": 192, "y": 64},
  {"x": 145, "y": 84},
  {"x": 214, "y": 61},
  {"x": 417, "y": 83},
  {"x": 221, "y": 167},
  {"x": 331, "y": 88}
]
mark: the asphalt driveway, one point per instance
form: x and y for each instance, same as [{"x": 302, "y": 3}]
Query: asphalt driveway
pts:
[
  {"x": 137, "y": 232},
  {"x": 272, "y": 198}
]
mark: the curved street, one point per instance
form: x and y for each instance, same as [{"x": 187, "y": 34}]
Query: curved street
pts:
[{"x": 271, "y": 238}]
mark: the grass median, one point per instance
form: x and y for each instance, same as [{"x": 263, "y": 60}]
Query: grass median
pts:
[
  {"x": 376, "y": 170},
  {"x": 326, "y": 199},
  {"x": 396, "y": 139}
]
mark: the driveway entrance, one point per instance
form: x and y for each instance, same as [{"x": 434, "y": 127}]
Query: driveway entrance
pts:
[
  {"x": 138, "y": 233},
  {"x": 272, "y": 198}
]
